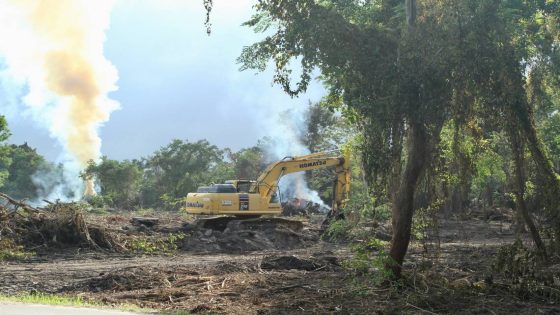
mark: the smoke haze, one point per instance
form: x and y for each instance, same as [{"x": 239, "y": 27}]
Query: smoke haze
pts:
[
  {"x": 285, "y": 131},
  {"x": 54, "y": 48},
  {"x": 53, "y": 54}
]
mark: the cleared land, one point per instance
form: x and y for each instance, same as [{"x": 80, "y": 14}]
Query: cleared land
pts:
[{"x": 273, "y": 266}]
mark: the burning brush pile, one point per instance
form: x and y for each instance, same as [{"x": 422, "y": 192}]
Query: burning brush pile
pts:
[
  {"x": 300, "y": 206},
  {"x": 23, "y": 226}
]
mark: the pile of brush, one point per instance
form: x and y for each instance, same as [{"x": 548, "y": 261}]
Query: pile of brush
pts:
[
  {"x": 298, "y": 206},
  {"x": 55, "y": 225}
]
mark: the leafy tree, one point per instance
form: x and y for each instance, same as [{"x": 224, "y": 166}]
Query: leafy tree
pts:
[
  {"x": 401, "y": 69},
  {"x": 319, "y": 119},
  {"x": 545, "y": 96},
  {"x": 179, "y": 168},
  {"x": 4, "y": 150},
  {"x": 25, "y": 163},
  {"x": 223, "y": 169},
  {"x": 119, "y": 181},
  {"x": 492, "y": 172},
  {"x": 375, "y": 64},
  {"x": 550, "y": 130},
  {"x": 325, "y": 131},
  {"x": 248, "y": 163}
]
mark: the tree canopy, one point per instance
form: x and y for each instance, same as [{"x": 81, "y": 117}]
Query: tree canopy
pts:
[
  {"x": 445, "y": 105},
  {"x": 401, "y": 69}
]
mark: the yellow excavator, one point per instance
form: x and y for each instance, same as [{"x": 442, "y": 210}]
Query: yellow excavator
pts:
[{"x": 257, "y": 197}]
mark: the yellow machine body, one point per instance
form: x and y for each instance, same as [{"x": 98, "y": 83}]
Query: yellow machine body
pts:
[{"x": 230, "y": 203}]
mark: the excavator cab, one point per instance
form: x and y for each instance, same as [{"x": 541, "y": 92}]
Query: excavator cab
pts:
[{"x": 242, "y": 185}]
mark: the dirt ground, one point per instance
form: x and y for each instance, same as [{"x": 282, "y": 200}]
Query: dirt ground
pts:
[{"x": 279, "y": 269}]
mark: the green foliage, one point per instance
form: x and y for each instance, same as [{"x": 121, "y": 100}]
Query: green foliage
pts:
[
  {"x": 359, "y": 209},
  {"x": 550, "y": 131},
  {"x": 179, "y": 168},
  {"x": 5, "y": 159},
  {"x": 145, "y": 211},
  {"x": 30, "y": 175},
  {"x": 339, "y": 230},
  {"x": 402, "y": 73},
  {"x": 26, "y": 162},
  {"x": 319, "y": 121},
  {"x": 99, "y": 201},
  {"x": 4, "y": 131},
  {"x": 426, "y": 220},
  {"x": 79, "y": 301},
  {"x": 451, "y": 66},
  {"x": 364, "y": 207},
  {"x": 222, "y": 171},
  {"x": 161, "y": 180},
  {"x": 9, "y": 251},
  {"x": 515, "y": 260},
  {"x": 369, "y": 211},
  {"x": 370, "y": 257},
  {"x": 325, "y": 131},
  {"x": 169, "y": 202},
  {"x": 119, "y": 182},
  {"x": 49, "y": 299},
  {"x": 492, "y": 167},
  {"x": 147, "y": 245},
  {"x": 543, "y": 86},
  {"x": 248, "y": 163},
  {"x": 525, "y": 273}
]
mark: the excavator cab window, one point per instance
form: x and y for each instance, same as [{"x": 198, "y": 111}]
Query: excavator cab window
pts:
[
  {"x": 275, "y": 198},
  {"x": 243, "y": 187},
  {"x": 222, "y": 188},
  {"x": 203, "y": 189}
]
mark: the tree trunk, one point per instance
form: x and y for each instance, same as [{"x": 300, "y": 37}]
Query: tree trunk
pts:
[
  {"x": 517, "y": 148},
  {"x": 403, "y": 204},
  {"x": 545, "y": 168},
  {"x": 524, "y": 117},
  {"x": 410, "y": 13},
  {"x": 489, "y": 195},
  {"x": 538, "y": 151},
  {"x": 403, "y": 199}
]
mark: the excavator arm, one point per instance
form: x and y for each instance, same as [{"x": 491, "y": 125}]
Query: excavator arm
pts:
[
  {"x": 341, "y": 186},
  {"x": 267, "y": 183}
]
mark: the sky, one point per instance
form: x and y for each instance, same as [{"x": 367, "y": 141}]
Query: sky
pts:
[{"x": 176, "y": 82}]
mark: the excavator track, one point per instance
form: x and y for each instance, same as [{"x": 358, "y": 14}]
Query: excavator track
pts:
[{"x": 241, "y": 223}]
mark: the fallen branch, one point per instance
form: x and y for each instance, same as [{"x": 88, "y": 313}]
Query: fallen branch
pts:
[
  {"x": 18, "y": 203},
  {"x": 420, "y": 309}
]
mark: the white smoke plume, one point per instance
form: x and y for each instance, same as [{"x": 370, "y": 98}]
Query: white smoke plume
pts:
[
  {"x": 285, "y": 134},
  {"x": 55, "y": 48}
]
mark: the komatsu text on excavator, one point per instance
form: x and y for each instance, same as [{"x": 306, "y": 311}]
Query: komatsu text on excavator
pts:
[{"x": 257, "y": 197}]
